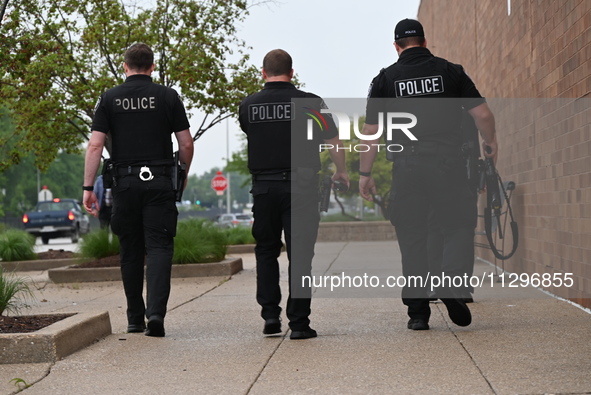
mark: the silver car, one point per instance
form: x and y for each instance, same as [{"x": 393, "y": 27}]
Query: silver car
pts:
[{"x": 234, "y": 220}]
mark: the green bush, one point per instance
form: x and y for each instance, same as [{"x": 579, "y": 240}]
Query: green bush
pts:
[
  {"x": 17, "y": 245},
  {"x": 14, "y": 293},
  {"x": 198, "y": 241},
  {"x": 239, "y": 235},
  {"x": 99, "y": 244}
]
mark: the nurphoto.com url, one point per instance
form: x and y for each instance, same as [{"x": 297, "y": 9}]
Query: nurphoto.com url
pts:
[{"x": 431, "y": 282}]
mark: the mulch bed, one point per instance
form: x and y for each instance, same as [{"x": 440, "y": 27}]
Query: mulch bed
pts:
[
  {"x": 109, "y": 261},
  {"x": 32, "y": 323},
  {"x": 29, "y": 323},
  {"x": 56, "y": 254}
]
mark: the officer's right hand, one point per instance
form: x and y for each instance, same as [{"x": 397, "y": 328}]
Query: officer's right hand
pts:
[
  {"x": 490, "y": 150},
  {"x": 367, "y": 187},
  {"x": 90, "y": 203},
  {"x": 343, "y": 178}
]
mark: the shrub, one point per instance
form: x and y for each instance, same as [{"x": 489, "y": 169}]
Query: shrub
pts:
[
  {"x": 14, "y": 293},
  {"x": 198, "y": 241},
  {"x": 17, "y": 245},
  {"x": 239, "y": 235},
  {"x": 99, "y": 244}
]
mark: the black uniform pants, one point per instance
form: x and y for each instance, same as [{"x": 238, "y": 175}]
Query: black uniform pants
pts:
[
  {"x": 144, "y": 218},
  {"x": 276, "y": 209},
  {"x": 435, "y": 250},
  {"x": 436, "y": 185}
]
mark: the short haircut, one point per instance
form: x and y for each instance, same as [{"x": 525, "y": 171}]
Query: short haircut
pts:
[
  {"x": 139, "y": 57},
  {"x": 407, "y": 41},
  {"x": 277, "y": 62}
]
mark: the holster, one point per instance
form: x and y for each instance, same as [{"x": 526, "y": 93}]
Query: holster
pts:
[
  {"x": 179, "y": 174},
  {"x": 108, "y": 172}
]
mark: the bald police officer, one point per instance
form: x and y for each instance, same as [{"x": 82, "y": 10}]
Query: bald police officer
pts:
[
  {"x": 429, "y": 174},
  {"x": 284, "y": 166},
  {"x": 141, "y": 116}
]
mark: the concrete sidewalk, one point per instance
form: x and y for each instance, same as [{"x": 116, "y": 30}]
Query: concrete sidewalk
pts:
[{"x": 521, "y": 339}]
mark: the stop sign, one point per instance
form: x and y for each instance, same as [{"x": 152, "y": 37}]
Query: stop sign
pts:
[{"x": 219, "y": 183}]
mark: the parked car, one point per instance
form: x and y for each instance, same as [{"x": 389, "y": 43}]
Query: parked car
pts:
[
  {"x": 57, "y": 218},
  {"x": 234, "y": 220}
]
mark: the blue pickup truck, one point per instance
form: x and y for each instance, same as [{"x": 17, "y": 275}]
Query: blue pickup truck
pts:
[{"x": 57, "y": 218}]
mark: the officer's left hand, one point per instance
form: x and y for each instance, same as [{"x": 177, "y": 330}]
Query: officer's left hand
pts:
[{"x": 367, "y": 187}]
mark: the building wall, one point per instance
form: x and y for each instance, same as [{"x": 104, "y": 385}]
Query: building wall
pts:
[{"x": 534, "y": 66}]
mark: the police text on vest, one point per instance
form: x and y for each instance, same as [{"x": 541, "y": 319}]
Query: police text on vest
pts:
[
  {"x": 135, "y": 104},
  {"x": 270, "y": 112},
  {"x": 419, "y": 86}
]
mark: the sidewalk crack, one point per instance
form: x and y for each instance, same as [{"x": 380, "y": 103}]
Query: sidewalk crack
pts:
[
  {"x": 466, "y": 351},
  {"x": 200, "y": 295},
  {"x": 338, "y": 254},
  {"x": 265, "y": 365}
]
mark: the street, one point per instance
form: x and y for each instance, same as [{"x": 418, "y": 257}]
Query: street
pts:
[{"x": 63, "y": 243}]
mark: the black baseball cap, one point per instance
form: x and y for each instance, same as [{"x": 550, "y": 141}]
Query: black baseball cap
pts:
[{"x": 408, "y": 28}]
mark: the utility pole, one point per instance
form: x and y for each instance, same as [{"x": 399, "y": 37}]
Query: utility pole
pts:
[{"x": 228, "y": 199}]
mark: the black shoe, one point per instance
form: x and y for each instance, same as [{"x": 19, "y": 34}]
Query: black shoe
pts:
[
  {"x": 272, "y": 326},
  {"x": 469, "y": 300},
  {"x": 305, "y": 334},
  {"x": 458, "y": 312},
  {"x": 417, "y": 324},
  {"x": 431, "y": 296},
  {"x": 136, "y": 328},
  {"x": 155, "y": 326}
]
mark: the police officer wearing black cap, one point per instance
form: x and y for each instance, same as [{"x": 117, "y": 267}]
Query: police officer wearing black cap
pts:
[
  {"x": 140, "y": 117},
  {"x": 429, "y": 173},
  {"x": 284, "y": 166}
]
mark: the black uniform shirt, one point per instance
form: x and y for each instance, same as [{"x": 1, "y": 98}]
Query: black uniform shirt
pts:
[
  {"x": 275, "y": 127},
  {"x": 141, "y": 117},
  {"x": 429, "y": 87}
]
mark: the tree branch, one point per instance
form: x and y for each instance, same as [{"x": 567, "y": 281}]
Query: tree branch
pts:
[
  {"x": 3, "y": 10},
  {"x": 218, "y": 119}
]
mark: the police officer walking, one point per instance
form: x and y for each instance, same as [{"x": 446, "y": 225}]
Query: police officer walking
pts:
[
  {"x": 429, "y": 174},
  {"x": 284, "y": 166},
  {"x": 140, "y": 117}
]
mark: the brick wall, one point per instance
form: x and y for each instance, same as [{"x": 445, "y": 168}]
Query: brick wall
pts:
[{"x": 534, "y": 65}]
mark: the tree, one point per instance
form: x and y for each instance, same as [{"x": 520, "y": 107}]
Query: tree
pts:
[
  {"x": 18, "y": 184},
  {"x": 62, "y": 178},
  {"x": 239, "y": 160},
  {"x": 58, "y": 56}
]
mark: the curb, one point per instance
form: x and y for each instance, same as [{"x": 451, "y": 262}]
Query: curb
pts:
[
  {"x": 226, "y": 267},
  {"x": 241, "y": 249},
  {"x": 55, "y": 341},
  {"x": 39, "y": 264}
]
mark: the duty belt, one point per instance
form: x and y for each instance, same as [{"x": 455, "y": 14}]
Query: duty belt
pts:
[
  {"x": 429, "y": 150},
  {"x": 145, "y": 172},
  {"x": 284, "y": 176}
]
